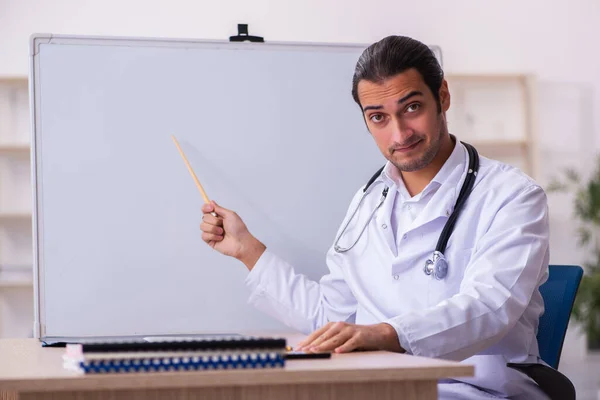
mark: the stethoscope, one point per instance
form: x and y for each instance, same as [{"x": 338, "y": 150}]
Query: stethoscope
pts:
[{"x": 437, "y": 265}]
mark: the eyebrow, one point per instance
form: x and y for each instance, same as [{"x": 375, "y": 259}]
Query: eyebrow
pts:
[{"x": 402, "y": 100}]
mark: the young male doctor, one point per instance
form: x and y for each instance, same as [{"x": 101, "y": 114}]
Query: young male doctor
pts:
[{"x": 484, "y": 308}]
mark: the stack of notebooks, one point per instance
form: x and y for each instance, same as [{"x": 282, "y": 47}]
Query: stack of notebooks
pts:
[{"x": 175, "y": 355}]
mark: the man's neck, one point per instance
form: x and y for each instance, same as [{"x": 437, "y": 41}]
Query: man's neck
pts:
[{"x": 416, "y": 181}]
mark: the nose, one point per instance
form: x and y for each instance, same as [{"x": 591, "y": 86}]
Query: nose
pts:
[{"x": 401, "y": 131}]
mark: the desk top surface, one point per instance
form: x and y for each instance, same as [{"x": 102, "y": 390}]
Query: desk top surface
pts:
[{"x": 26, "y": 366}]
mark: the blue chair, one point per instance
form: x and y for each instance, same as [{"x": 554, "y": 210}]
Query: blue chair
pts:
[{"x": 558, "y": 293}]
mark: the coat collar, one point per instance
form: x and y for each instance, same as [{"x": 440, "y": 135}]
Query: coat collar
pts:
[{"x": 445, "y": 184}]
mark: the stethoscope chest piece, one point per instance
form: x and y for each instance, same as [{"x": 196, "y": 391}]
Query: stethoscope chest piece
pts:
[{"x": 438, "y": 266}]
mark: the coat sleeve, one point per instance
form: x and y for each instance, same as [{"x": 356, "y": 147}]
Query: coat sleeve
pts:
[
  {"x": 292, "y": 298},
  {"x": 506, "y": 268}
]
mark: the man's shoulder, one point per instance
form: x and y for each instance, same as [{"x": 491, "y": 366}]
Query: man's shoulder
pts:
[{"x": 501, "y": 177}]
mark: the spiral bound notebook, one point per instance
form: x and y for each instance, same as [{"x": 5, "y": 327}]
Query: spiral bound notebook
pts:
[
  {"x": 99, "y": 363},
  {"x": 186, "y": 344},
  {"x": 175, "y": 355}
]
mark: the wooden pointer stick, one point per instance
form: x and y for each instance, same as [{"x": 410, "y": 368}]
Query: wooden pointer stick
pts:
[{"x": 189, "y": 167}]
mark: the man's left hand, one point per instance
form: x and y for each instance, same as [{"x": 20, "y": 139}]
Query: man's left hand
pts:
[{"x": 342, "y": 337}]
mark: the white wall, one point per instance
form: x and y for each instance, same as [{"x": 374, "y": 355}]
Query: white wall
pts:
[{"x": 556, "y": 41}]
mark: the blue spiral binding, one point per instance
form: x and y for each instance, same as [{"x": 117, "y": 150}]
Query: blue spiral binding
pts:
[{"x": 185, "y": 363}]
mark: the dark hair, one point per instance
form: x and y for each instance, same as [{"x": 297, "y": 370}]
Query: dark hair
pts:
[{"x": 396, "y": 54}]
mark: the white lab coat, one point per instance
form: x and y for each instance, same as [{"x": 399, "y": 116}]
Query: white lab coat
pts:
[{"x": 484, "y": 312}]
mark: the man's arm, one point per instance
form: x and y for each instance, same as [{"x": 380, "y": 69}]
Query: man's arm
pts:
[
  {"x": 276, "y": 289},
  {"x": 498, "y": 284},
  {"x": 295, "y": 300}
]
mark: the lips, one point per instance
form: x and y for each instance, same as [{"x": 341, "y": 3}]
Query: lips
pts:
[{"x": 406, "y": 148}]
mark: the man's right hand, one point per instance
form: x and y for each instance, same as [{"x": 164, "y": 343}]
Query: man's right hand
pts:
[{"x": 228, "y": 234}]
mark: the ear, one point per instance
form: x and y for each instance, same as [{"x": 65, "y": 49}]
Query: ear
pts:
[{"x": 444, "y": 96}]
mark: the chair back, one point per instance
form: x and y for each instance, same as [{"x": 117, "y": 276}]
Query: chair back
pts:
[{"x": 558, "y": 293}]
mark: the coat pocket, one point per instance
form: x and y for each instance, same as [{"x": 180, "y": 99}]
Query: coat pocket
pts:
[{"x": 442, "y": 289}]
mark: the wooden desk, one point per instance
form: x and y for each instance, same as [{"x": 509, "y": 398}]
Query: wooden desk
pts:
[{"x": 28, "y": 371}]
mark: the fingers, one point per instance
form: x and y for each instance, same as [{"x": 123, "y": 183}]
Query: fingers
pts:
[
  {"x": 212, "y": 220},
  {"x": 328, "y": 335},
  {"x": 208, "y": 208},
  {"x": 334, "y": 342},
  {"x": 340, "y": 337},
  {"x": 214, "y": 229},
  {"x": 210, "y": 232},
  {"x": 224, "y": 212},
  {"x": 216, "y": 210},
  {"x": 211, "y": 237},
  {"x": 321, "y": 335},
  {"x": 351, "y": 344},
  {"x": 212, "y": 224},
  {"x": 312, "y": 337}
]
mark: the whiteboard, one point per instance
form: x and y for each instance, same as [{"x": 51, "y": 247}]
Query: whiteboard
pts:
[{"x": 271, "y": 131}]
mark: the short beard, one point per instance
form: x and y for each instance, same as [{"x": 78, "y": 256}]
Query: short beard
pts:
[{"x": 428, "y": 156}]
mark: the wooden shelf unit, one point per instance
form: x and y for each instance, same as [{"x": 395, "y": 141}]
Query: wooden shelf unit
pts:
[
  {"x": 16, "y": 281},
  {"x": 495, "y": 113}
]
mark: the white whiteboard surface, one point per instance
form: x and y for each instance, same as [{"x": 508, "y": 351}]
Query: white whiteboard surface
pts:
[{"x": 271, "y": 131}]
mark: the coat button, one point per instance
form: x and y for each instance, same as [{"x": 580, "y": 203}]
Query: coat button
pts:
[
  {"x": 384, "y": 226},
  {"x": 396, "y": 276},
  {"x": 404, "y": 236}
]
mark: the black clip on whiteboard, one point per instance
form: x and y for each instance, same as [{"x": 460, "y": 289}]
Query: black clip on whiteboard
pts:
[{"x": 243, "y": 35}]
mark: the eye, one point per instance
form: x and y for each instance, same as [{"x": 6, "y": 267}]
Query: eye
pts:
[
  {"x": 376, "y": 118},
  {"x": 413, "y": 107}
]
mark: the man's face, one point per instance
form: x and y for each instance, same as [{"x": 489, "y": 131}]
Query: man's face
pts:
[{"x": 404, "y": 119}]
